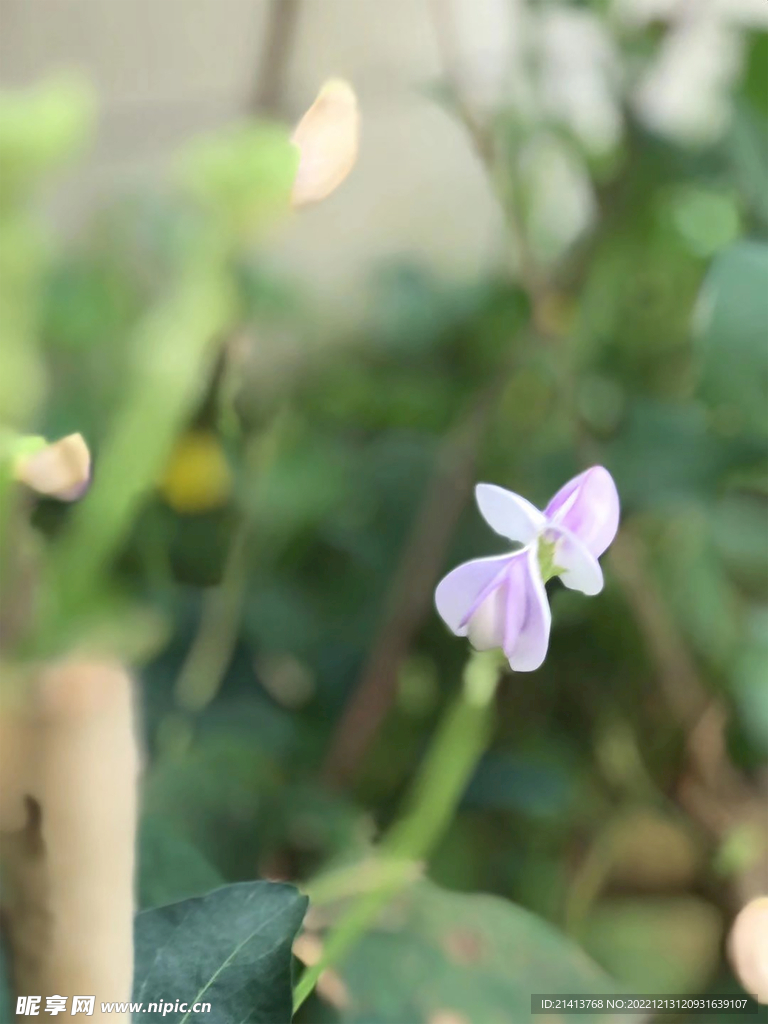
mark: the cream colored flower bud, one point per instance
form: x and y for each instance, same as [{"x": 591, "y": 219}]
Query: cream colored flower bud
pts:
[
  {"x": 748, "y": 948},
  {"x": 60, "y": 470},
  {"x": 327, "y": 137}
]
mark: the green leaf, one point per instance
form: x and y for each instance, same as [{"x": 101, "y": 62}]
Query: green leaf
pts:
[
  {"x": 476, "y": 957},
  {"x": 231, "y": 948},
  {"x": 731, "y": 320}
]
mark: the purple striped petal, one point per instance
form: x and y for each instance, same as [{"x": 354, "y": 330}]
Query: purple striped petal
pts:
[
  {"x": 499, "y": 615},
  {"x": 530, "y": 647},
  {"x": 581, "y": 570},
  {"x": 508, "y": 513},
  {"x": 461, "y": 593},
  {"x": 587, "y": 506},
  {"x": 516, "y": 596}
]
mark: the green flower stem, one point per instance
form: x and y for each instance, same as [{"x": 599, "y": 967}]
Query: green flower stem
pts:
[{"x": 461, "y": 740}]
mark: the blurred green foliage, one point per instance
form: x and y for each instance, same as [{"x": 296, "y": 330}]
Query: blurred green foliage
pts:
[{"x": 653, "y": 362}]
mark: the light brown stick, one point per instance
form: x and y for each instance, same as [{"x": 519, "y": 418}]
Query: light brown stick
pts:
[{"x": 69, "y": 872}]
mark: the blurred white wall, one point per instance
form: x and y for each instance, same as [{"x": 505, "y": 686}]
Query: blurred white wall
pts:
[{"x": 166, "y": 69}]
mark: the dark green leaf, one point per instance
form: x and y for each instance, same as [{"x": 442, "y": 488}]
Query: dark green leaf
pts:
[{"x": 231, "y": 948}]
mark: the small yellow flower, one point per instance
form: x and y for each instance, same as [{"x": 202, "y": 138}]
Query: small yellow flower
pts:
[{"x": 197, "y": 477}]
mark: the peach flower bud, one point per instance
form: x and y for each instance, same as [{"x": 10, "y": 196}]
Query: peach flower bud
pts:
[
  {"x": 60, "y": 470},
  {"x": 327, "y": 137},
  {"x": 748, "y": 948}
]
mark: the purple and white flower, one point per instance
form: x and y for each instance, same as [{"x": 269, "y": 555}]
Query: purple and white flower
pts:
[{"x": 501, "y": 602}]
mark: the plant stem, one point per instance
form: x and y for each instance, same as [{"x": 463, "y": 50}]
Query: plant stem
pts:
[
  {"x": 211, "y": 652},
  {"x": 460, "y": 742},
  {"x": 213, "y": 646}
]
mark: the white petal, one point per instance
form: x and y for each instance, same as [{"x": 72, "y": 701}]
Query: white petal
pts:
[
  {"x": 508, "y": 513},
  {"x": 582, "y": 569},
  {"x": 530, "y": 650}
]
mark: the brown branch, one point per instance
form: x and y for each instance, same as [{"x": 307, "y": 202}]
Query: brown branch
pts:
[
  {"x": 282, "y": 20},
  {"x": 410, "y": 596}
]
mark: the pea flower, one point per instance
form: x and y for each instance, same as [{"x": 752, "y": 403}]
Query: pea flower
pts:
[{"x": 501, "y": 601}]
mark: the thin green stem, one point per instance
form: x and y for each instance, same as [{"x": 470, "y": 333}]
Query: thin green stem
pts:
[
  {"x": 460, "y": 742},
  {"x": 211, "y": 651},
  {"x": 361, "y": 878}
]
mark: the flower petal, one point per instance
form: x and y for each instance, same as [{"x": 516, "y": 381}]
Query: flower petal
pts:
[
  {"x": 516, "y": 601},
  {"x": 532, "y": 642},
  {"x": 581, "y": 569},
  {"x": 499, "y": 616},
  {"x": 328, "y": 139},
  {"x": 587, "y": 506},
  {"x": 485, "y": 628},
  {"x": 461, "y": 593},
  {"x": 508, "y": 513}
]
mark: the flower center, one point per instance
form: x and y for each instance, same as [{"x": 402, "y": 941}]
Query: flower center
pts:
[{"x": 546, "y": 554}]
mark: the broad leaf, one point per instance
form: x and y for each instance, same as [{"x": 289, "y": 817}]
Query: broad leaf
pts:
[
  {"x": 231, "y": 948},
  {"x": 465, "y": 957}
]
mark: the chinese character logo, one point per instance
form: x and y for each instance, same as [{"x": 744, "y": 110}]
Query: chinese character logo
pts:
[
  {"x": 83, "y": 1004},
  {"x": 28, "y": 1006}
]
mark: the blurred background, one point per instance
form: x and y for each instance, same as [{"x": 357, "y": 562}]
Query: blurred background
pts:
[{"x": 551, "y": 253}]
